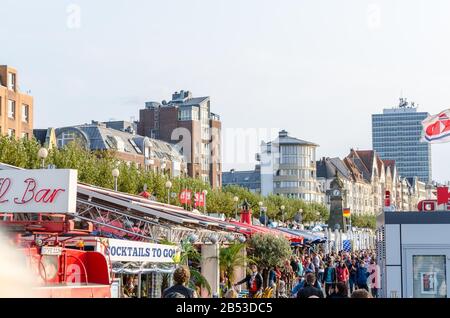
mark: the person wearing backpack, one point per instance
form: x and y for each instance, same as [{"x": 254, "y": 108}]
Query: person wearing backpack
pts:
[{"x": 254, "y": 281}]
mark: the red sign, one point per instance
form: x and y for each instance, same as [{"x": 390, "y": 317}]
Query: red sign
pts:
[
  {"x": 387, "y": 198},
  {"x": 185, "y": 197},
  {"x": 199, "y": 199}
]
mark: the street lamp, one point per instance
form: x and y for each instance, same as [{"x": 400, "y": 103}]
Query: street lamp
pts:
[
  {"x": 205, "y": 192},
  {"x": 115, "y": 173},
  {"x": 42, "y": 154},
  {"x": 261, "y": 209},
  {"x": 236, "y": 199},
  {"x": 282, "y": 212},
  {"x": 168, "y": 186}
]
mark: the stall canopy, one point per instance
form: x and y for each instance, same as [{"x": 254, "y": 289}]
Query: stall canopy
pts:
[
  {"x": 252, "y": 229},
  {"x": 309, "y": 238}
]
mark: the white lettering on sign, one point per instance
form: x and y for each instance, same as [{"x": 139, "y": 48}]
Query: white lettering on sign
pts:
[
  {"x": 38, "y": 191},
  {"x": 132, "y": 251}
]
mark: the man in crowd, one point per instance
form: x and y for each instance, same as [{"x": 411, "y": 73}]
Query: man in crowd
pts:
[
  {"x": 254, "y": 281},
  {"x": 181, "y": 277},
  {"x": 309, "y": 290},
  {"x": 352, "y": 275}
]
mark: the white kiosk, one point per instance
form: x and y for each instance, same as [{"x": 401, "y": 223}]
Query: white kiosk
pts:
[{"x": 413, "y": 250}]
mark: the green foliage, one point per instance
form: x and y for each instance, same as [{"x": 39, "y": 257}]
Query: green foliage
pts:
[
  {"x": 269, "y": 250},
  {"x": 95, "y": 168},
  {"x": 364, "y": 221},
  {"x": 189, "y": 253},
  {"x": 230, "y": 258}
]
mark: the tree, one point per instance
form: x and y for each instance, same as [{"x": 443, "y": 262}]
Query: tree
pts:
[
  {"x": 190, "y": 256},
  {"x": 94, "y": 167},
  {"x": 230, "y": 258},
  {"x": 269, "y": 250},
  {"x": 364, "y": 221}
]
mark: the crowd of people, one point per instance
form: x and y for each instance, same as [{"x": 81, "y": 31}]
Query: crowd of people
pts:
[
  {"x": 316, "y": 274},
  {"x": 307, "y": 274}
]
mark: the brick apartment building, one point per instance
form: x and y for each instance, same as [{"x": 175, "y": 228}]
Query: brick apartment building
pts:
[
  {"x": 16, "y": 108},
  {"x": 188, "y": 122}
]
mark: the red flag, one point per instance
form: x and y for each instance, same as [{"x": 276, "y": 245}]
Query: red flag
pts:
[
  {"x": 185, "y": 197},
  {"x": 442, "y": 195},
  {"x": 199, "y": 199}
]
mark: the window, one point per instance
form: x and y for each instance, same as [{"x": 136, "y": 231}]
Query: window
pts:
[
  {"x": 135, "y": 146},
  {"x": 11, "y": 109},
  {"x": 12, "y": 81},
  {"x": 25, "y": 113},
  {"x": 429, "y": 276},
  {"x": 11, "y": 132},
  {"x": 24, "y": 135}
]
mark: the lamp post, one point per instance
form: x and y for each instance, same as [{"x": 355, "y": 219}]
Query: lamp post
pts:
[
  {"x": 262, "y": 209},
  {"x": 236, "y": 199},
  {"x": 205, "y": 192},
  {"x": 42, "y": 154},
  {"x": 115, "y": 173},
  {"x": 282, "y": 212},
  {"x": 300, "y": 212},
  {"x": 168, "y": 187}
]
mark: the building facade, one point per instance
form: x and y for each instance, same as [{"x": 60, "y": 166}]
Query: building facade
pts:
[
  {"x": 16, "y": 108},
  {"x": 250, "y": 179},
  {"x": 188, "y": 122},
  {"x": 372, "y": 170},
  {"x": 357, "y": 193},
  {"x": 396, "y": 136},
  {"x": 288, "y": 168},
  {"x": 147, "y": 153}
]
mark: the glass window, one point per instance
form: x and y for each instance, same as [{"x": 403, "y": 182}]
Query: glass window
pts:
[
  {"x": 11, "y": 109},
  {"x": 11, "y": 132},
  {"x": 429, "y": 280},
  {"x": 25, "y": 113},
  {"x": 12, "y": 81}
]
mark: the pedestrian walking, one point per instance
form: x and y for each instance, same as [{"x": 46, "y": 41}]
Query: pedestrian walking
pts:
[{"x": 329, "y": 278}]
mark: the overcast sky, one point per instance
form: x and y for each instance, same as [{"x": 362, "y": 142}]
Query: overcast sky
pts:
[{"x": 318, "y": 69}]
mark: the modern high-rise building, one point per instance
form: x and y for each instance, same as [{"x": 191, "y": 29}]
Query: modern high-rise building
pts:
[
  {"x": 16, "y": 108},
  {"x": 396, "y": 136},
  {"x": 189, "y": 123}
]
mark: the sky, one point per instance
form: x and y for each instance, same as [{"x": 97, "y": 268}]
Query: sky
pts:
[{"x": 316, "y": 68}]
